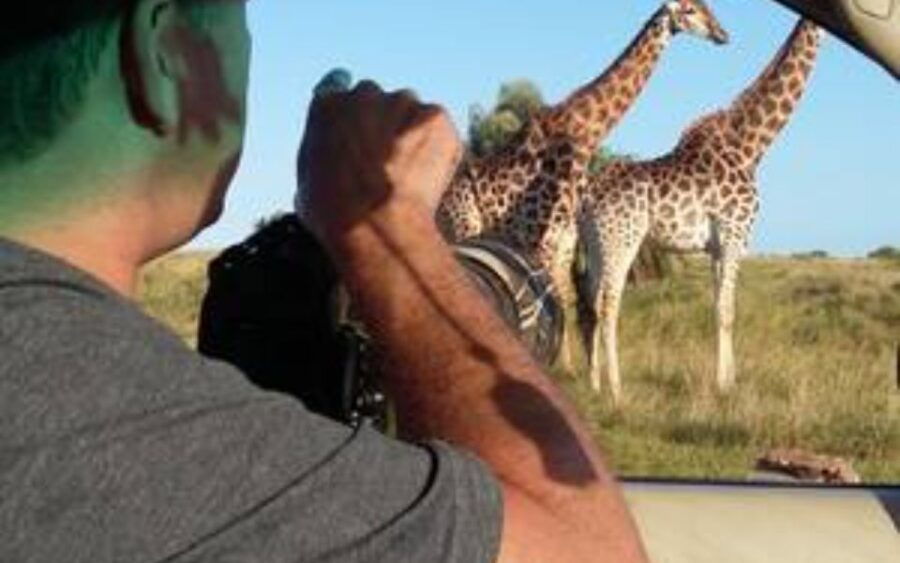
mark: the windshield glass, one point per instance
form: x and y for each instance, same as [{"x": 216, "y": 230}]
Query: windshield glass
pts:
[{"x": 810, "y": 242}]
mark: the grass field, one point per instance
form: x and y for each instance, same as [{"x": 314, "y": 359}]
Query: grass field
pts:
[{"x": 816, "y": 345}]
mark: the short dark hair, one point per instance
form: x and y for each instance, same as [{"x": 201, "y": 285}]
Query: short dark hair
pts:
[{"x": 46, "y": 64}]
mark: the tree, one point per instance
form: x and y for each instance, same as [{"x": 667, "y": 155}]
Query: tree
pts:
[
  {"x": 490, "y": 131},
  {"x": 811, "y": 255},
  {"x": 521, "y": 98},
  {"x": 886, "y": 253}
]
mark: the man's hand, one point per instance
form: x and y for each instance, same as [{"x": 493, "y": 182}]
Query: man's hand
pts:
[{"x": 366, "y": 152}]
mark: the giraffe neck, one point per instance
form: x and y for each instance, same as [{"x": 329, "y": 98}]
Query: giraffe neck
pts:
[
  {"x": 589, "y": 114},
  {"x": 765, "y": 107}
]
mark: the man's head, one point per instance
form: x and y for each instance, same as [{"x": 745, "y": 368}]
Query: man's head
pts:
[{"x": 131, "y": 103}]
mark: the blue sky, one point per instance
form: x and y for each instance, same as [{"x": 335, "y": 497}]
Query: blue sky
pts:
[{"x": 830, "y": 182}]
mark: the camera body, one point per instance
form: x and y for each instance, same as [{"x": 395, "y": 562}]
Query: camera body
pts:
[{"x": 275, "y": 309}]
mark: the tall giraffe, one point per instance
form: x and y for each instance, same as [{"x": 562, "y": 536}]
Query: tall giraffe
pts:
[
  {"x": 702, "y": 196},
  {"x": 526, "y": 194}
]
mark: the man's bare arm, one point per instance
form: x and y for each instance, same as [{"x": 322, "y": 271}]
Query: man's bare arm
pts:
[{"x": 454, "y": 371}]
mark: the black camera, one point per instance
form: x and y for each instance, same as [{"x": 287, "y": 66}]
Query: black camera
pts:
[{"x": 275, "y": 310}]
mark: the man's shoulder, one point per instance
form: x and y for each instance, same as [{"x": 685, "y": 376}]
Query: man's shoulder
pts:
[
  {"x": 52, "y": 311},
  {"x": 76, "y": 351},
  {"x": 107, "y": 413}
]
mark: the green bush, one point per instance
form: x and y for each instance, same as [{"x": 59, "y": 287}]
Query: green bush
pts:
[{"x": 885, "y": 253}]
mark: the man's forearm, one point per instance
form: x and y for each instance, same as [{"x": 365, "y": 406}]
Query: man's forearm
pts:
[{"x": 457, "y": 373}]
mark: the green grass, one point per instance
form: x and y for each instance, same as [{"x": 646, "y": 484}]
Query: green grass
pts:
[
  {"x": 815, "y": 345},
  {"x": 172, "y": 289}
]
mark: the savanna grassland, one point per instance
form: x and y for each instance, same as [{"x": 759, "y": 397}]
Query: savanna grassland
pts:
[{"x": 816, "y": 346}]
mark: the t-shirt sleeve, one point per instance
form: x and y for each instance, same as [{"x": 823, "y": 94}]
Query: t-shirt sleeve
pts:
[{"x": 373, "y": 500}]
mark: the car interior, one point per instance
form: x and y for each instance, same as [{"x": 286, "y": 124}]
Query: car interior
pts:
[{"x": 869, "y": 25}]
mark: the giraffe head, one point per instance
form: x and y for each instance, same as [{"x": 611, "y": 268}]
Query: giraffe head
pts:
[{"x": 695, "y": 17}]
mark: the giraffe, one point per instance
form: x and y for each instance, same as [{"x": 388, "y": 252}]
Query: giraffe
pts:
[
  {"x": 526, "y": 194},
  {"x": 701, "y": 196}
]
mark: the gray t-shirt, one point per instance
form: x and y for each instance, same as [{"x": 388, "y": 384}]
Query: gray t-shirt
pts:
[{"x": 120, "y": 444}]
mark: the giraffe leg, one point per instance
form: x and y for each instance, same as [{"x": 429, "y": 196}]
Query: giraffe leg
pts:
[
  {"x": 563, "y": 286},
  {"x": 589, "y": 293},
  {"x": 616, "y": 264},
  {"x": 557, "y": 257},
  {"x": 725, "y": 271},
  {"x": 565, "y": 300}
]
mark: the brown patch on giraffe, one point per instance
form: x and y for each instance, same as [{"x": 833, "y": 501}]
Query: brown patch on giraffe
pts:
[
  {"x": 755, "y": 118},
  {"x": 748, "y": 151},
  {"x": 729, "y": 208},
  {"x": 584, "y": 110}
]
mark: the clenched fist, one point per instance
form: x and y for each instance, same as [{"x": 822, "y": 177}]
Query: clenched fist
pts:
[{"x": 366, "y": 152}]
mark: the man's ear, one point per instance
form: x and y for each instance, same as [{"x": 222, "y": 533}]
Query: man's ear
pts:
[{"x": 151, "y": 63}]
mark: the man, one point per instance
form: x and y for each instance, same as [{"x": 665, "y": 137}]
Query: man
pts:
[{"x": 122, "y": 126}]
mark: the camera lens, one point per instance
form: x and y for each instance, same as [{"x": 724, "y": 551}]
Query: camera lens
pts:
[{"x": 519, "y": 292}]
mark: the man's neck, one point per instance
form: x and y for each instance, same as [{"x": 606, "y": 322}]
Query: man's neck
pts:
[
  {"x": 116, "y": 265},
  {"x": 81, "y": 203}
]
